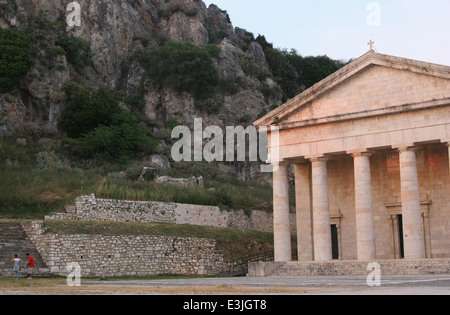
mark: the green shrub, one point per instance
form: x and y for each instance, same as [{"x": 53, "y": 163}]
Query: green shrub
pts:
[
  {"x": 251, "y": 68},
  {"x": 212, "y": 50},
  {"x": 232, "y": 85},
  {"x": 117, "y": 142},
  {"x": 284, "y": 73},
  {"x": 314, "y": 69},
  {"x": 56, "y": 50},
  {"x": 294, "y": 72},
  {"x": 182, "y": 67},
  {"x": 245, "y": 119},
  {"x": 215, "y": 36},
  {"x": 136, "y": 103},
  {"x": 50, "y": 161},
  {"x": 86, "y": 111},
  {"x": 15, "y": 49},
  {"x": 76, "y": 50},
  {"x": 210, "y": 105},
  {"x": 172, "y": 123},
  {"x": 105, "y": 131}
]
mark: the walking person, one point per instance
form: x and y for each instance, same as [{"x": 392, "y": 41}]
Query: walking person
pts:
[
  {"x": 16, "y": 268},
  {"x": 30, "y": 266}
]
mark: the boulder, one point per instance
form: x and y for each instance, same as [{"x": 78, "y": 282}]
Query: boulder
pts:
[{"x": 193, "y": 181}]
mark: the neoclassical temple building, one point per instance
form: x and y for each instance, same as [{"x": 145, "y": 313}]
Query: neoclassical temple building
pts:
[{"x": 370, "y": 147}]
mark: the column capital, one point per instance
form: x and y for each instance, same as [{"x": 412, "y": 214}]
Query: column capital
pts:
[
  {"x": 406, "y": 147},
  {"x": 320, "y": 158},
  {"x": 360, "y": 154}
]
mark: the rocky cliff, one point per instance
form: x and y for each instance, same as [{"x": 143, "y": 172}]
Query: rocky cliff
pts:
[{"x": 116, "y": 30}]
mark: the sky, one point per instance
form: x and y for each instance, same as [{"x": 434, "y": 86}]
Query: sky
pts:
[{"x": 415, "y": 29}]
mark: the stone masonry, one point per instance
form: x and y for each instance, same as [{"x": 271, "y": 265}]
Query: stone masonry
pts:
[
  {"x": 90, "y": 208},
  {"x": 350, "y": 268},
  {"x": 370, "y": 146},
  {"x": 110, "y": 256}
]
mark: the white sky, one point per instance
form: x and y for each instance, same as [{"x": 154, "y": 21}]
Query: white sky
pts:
[{"x": 415, "y": 29}]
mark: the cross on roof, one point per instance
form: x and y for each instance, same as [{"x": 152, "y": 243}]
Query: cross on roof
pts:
[{"x": 371, "y": 45}]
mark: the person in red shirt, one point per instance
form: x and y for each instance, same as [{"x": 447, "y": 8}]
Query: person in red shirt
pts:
[{"x": 30, "y": 266}]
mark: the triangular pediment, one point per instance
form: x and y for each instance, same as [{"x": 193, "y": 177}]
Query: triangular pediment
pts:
[{"x": 371, "y": 85}]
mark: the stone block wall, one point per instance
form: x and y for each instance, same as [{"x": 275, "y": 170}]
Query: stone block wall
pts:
[
  {"x": 350, "y": 268},
  {"x": 90, "y": 208},
  {"x": 109, "y": 256}
]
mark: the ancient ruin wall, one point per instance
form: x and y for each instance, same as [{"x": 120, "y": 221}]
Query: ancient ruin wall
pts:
[
  {"x": 110, "y": 256},
  {"x": 90, "y": 208}
]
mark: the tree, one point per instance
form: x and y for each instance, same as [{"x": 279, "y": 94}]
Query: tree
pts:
[
  {"x": 284, "y": 73},
  {"x": 294, "y": 72},
  {"x": 86, "y": 111},
  {"x": 15, "y": 48},
  {"x": 315, "y": 69},
  {"x": 104, "y": 131},
  {"x": 117, "y": 142}
]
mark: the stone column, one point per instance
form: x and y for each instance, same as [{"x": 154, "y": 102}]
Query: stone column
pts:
[
  {"x": 412, "y": 217},
  {"x": 448, "y": 146},
  {"x": 365, "y": 225},
  {"x": 321, "y": 210},
  {"x": 281, "y": 226},
  {"x": 303, "y": 210}
]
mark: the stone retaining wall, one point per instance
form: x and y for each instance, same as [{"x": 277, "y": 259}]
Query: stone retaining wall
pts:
[
  {"x": 90, "y": 208},
  {"x": 110, "y": 256}
]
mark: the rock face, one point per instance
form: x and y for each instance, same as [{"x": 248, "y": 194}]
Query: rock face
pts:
[{"x": 117, "y": 29}]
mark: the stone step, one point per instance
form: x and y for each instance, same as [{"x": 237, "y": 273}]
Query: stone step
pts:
[
  {"x": 350, "y": 268},
  {"x": 13, "y": 240}
]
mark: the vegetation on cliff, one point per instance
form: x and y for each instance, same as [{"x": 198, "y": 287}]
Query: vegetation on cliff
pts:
[
  {"x": 82, "y": 109},
  {"x": 106, "y": 132},
  {"x": 15, "y": 60}
]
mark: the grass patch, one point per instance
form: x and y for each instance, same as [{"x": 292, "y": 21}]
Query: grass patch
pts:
[
  {"x": 8, "y": 283},
  {"x": 37, "y": 180},
  {"x": 234, "y": 243},
  {"x": 53, "y": 282},
  {"x": 224, "y": 195},
  {"x": 28, "y": 193}
]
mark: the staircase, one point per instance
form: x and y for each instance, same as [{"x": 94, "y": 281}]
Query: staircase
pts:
[
  {"x": 13, "y": 240},
  {"x": 239, "y": 267}
]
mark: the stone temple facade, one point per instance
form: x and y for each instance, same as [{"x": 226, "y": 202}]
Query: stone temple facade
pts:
[{"x": 370, "y": 147}]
